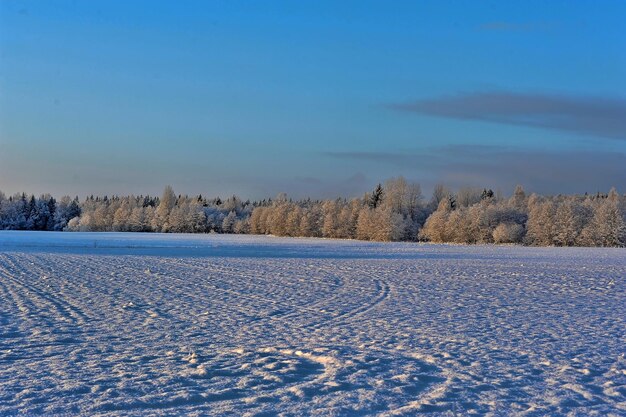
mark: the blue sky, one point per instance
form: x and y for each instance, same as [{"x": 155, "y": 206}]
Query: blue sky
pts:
[{"x": 316, "y": 98}]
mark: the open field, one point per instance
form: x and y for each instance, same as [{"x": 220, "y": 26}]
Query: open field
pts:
[{"x": 149, "y": 324}]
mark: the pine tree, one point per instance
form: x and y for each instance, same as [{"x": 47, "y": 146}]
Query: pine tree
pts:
[{"x": 376, "y": 197}]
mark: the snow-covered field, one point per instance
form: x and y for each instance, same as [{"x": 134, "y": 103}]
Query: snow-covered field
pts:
[{"x": 135, "y": 324}]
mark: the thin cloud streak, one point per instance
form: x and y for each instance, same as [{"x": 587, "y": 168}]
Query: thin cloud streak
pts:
[
  {"x": 594, "y": 116},
  {"x": 546, "y": 172},
  {"x": 502, "y": 26},
  {"x": 396, "y": 159}
]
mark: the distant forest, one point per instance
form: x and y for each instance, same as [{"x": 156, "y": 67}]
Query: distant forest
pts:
[{"x": 394, "y": 211}]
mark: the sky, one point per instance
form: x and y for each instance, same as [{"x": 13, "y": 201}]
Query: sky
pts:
[{"x": 319, "y": 98}]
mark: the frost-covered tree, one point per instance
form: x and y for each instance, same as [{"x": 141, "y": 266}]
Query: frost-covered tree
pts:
[
  {"x": 468, "y": 216},
  {"x": 38, "y": 213},
  {"x": 508, "y": 233},
  {"x": 519, "y": 197},
  {"x": 242, "y": 226},
  {"x": 257, "y": 221},
  {"x": 435, "y": 229},
  {"x": 540, "y": 230},
  {"x": 278, "y": 218},
  {"x": 311, "y": 221},
  {"x": 330, "y": 226},
  {"x": 15, "y": 211},
  {"x": 461, "y": 226},
  {"x": 390, "y": 226},
  {"x": 140, "y": 219},
  {"x": 607, "y": 226},
  {"x": 121, "y": 216},
  {"x": 348, "y": 218},
  {"x": 228, "y": 223},
  {"x": 166, "y": 204},
  {"x": 365, "y": 224},
  {"x": 294, "y": 218},
  {"x": 440, "y": 192},
  {"x": 570, "y": 219},
  {"x": 62, "y": 214}
]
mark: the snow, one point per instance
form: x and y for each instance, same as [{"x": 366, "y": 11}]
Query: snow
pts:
[{"x": 147, "y": 324}]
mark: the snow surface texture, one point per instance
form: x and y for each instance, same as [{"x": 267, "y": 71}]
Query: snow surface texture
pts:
[{"x": 134, "y": 324}]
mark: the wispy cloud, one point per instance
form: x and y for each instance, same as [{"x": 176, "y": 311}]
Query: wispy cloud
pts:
[
  {"x": 307, "y": 186},
  {"x": 503, "y": 167},
  {"x": 501, "y": 26},
  {"x": 595, "y": 116},
  {"x": 351, "y": 186},
  {"x": 396, "y": 159}
]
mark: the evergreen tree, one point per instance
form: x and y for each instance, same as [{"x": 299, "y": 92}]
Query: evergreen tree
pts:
[{"x": 376, "y": 197}]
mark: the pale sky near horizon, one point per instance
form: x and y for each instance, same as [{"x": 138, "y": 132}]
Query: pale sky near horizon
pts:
[{"x": 311, "y": 98}]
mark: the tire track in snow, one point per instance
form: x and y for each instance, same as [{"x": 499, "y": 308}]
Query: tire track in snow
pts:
[
  {"x": 11, "y": 307},
  {"x": 333, "y": 378},
  {"x": 62, "y": 306},
  {"x": 217, "y": 273},
  {"x": 382, "y": 291},
  {"x": 381, "y": 294}
]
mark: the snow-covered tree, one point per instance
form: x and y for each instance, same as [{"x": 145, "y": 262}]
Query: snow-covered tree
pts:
[
  {"x": 393, "y": 211},
  {"x": 228, "y": 223},
  {"x": 508, "y": 233},
  {"x": 607, "y": 226},
  {"x": 166, "y": 204},
  {"x": 540, "y": 230},
  {"x": 435, "y": 229}
]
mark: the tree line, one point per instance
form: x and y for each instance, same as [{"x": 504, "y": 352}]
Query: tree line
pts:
[{"x": 393, "y": 211}]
